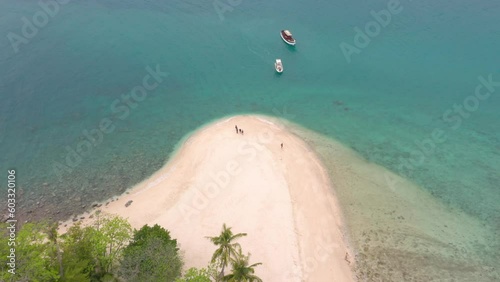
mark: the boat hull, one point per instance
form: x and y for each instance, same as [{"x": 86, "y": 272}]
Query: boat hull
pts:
[
  {"x": 278, "y": 66},
  {"x": 286, "y": 41}
]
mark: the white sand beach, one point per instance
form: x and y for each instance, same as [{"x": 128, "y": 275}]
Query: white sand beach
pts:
[{"x": 281, "y": 197}]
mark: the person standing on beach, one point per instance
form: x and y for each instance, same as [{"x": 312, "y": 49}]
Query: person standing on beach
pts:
[
  {"x": 281, "y": 145},
  {"x": 236, "y": 129}
]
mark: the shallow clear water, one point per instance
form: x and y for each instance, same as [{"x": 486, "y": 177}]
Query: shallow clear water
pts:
[{"x": 386, "y": 101}]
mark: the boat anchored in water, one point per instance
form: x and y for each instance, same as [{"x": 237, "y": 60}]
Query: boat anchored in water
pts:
[
  {"x": 278, "y": 65},
  {"x": 286, "y": 35}
]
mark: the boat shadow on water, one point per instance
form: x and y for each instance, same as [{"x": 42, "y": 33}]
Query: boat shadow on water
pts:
[{"x": 291, "y": 48}]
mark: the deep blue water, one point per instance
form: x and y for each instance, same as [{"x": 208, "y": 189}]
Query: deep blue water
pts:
[{"x": 393, "y": 94}]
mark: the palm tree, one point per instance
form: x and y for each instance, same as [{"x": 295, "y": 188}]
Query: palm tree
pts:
[
  {"x": 242, "y": 272},
  {"x": 228, "y": 249}
]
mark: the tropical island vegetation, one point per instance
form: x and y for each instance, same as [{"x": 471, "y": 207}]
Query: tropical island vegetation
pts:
[{"x": 111, "y": 250}]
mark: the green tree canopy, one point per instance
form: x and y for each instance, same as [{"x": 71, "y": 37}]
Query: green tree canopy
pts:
[
  {"x": 151, "y": 256},
  {"x": 93, "y": 252},
  {"x": 34, "y": 260},
  {"x": 195, "y": 275},
  {"x": 147, "y": 232}
]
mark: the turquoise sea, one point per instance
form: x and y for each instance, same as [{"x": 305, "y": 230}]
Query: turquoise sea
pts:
[{"x": 414, "y": 98}]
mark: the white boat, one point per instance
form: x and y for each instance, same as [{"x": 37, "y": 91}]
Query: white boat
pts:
[
  {"x": 286, "y": 35},
  {"x": 278, "y": 65}
]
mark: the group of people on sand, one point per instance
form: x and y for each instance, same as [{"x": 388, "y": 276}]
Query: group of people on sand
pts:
[{"x": 239, "y": 130}]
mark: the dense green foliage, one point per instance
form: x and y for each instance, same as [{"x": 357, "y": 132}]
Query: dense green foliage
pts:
[
  {"x": 108, "y": 250},
  {"x": 82, "y": 254},
  {"x": 93, "y": 252},
  {"x": 34, "y": 255},
  {"x": 146, "y": 232},
  {"x": 151, "y": 256},
  {"x": 196, "y": 275}
]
